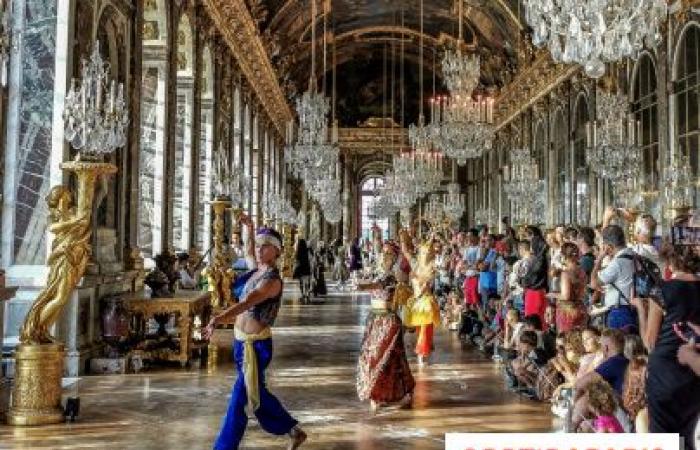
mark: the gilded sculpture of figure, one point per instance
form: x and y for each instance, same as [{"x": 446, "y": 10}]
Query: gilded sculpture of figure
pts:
[
  {"x": 220, "y": 277},
  {"x": 69, "y": 256}
]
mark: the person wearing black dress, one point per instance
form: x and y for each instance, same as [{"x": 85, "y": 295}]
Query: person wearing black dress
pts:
[
  {"x": 302, "y": 268},
  {"x": 672, "y": 389}
]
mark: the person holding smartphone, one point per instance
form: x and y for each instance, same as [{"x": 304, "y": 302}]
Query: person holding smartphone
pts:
[
  {"x": 617, "y": 278},
  {"x": 672, "y": 389},
  {"x": 689, "y": 353}
]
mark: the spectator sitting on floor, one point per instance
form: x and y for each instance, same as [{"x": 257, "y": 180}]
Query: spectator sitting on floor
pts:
[
  {"x": 526, "y": 366},
  {"x": 612, "y": 370},
  {"x": 602, "y": 407}
]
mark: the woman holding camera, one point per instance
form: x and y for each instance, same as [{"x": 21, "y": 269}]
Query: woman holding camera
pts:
[{"x": 672, "y": 389}]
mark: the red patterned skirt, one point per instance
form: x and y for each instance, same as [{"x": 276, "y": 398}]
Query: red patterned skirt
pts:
[
  {"x": 383, "y": 371},
  {"x": 570, "y": 316}
]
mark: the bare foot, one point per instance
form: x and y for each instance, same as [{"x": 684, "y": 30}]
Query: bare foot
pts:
[
  {"x": 296, "y": 438},
  {"x": 406, "y": 401}
]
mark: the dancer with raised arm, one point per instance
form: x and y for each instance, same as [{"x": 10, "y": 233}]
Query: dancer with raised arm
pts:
[
  {"x": 254, "y": 315},
  {"x": 384, "y": 375}
]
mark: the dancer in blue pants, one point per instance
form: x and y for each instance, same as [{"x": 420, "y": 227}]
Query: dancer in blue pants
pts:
[{"x": 252, "y": 348}]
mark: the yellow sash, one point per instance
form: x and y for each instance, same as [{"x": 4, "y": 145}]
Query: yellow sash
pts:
[{"x": 250, "y": 364}]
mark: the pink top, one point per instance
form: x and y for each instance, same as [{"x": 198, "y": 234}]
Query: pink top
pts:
[{"x": 607, "y": 424}]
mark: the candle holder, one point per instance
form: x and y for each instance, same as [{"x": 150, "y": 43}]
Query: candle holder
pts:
[{"x": 95, "y": 120}]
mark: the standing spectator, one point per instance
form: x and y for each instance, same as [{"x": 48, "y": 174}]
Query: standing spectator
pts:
[
  {"x": 571, "y": 311},
  {"x": 617, "y": 278},
  {"x": 354, "y": 257},
  {"x": 535, "y": 280},
  {"x": 471, "y": 259},
  {"x": 302, "y": 268},
  {"x": 672, "y": 389},
  {"x": 487, "y": 270}
]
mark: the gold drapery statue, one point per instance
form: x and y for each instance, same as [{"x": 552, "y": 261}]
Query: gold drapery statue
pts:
[
  {"x": 219, "y": 273},
  {"x": 70, "y": 251}
]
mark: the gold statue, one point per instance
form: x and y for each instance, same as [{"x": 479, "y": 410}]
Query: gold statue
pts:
[
  {"x": 219, "y": 273},
  {"x": 70, "y": 250},
  {"x": 69, "y": 256},
  {"x": 220, "y": 277}
]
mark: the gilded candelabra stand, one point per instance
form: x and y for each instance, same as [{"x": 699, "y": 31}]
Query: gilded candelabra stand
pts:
[
  {"x": 288, "y": 250},
  {"x": 95, "y": 119},
  {"x": 219, "y": 273}
]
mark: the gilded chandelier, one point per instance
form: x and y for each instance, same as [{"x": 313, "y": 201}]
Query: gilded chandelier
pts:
[{"x": 593, "y": 32}]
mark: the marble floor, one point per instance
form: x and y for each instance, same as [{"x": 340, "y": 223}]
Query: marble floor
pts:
[{"x": 313, "y": 373}]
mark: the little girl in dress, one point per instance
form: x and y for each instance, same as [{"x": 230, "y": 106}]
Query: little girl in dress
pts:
[{"x": 601, "y": 400}]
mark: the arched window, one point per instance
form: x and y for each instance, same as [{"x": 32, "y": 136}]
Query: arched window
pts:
[
  {"x": 644, "y": 107},
  {"x": 561, "y": 153},
  {"x": 583, "y": 198},
  {"x": 368, "y": 197},
  {"x": 206, "y": 150},
  {"x": 687, "y": 90},
  {"x": 182, "y": 184},
  {"x": 151, "y": 155}
]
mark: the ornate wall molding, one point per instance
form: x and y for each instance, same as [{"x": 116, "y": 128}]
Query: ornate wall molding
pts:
[
  {"x": 240, "y": 33},
  {"x": 529, "y": 85},
  {"x": 372, "y": 140}
]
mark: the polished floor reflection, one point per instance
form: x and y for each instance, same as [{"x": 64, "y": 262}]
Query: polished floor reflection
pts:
[{"x": 313, "y": 373}]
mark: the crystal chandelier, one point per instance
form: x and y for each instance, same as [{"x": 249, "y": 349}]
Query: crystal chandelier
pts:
[
  {"x": 462, "y": 127},
  {"x": 420, "y": 135},
  {"x": 434, "y": 212},
  {"x": 460, "y": 72},
  {"x": 592, "y": 32},
  {"x": 230, "y": 183},
  {"x": 679, "y": 185},
  {"x": 613, "y": 151},
  {"x": 95, "y": 112},
  {"x": 523, "y": 187},
  {"x": 484, "y": 216},
  {"x": 454, "y": 202}
]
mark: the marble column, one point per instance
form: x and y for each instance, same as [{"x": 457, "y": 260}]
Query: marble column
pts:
[{"x": 34, "y": 147}]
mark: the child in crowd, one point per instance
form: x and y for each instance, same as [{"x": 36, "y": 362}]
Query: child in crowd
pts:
[
  {"x": 526, "y": 366},
  {"x": 453, "y": 313},
  {"x": 601, "y": 399}
]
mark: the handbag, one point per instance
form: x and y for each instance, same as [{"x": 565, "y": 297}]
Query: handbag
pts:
[{"x": 621, "y": 316}]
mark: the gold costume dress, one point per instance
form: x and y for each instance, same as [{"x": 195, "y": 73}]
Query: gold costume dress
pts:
[{"x": 422, "y": 310}]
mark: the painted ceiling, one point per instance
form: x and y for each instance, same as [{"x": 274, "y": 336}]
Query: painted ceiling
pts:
[{"x": 366, "y": 40}]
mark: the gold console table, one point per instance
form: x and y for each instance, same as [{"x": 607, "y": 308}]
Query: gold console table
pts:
[{"x": 185, "y": 306}]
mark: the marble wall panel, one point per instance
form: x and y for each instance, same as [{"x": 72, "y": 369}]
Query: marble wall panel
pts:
[
  {"x": 147, "y": 163},
  {"x": 38, "y": 51},
  {"x": 205, "y": 180},
  {"x": 180, "y": 200}
]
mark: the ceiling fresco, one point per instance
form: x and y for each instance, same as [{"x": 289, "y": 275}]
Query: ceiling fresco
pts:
[{"x": 359, "y": 31}]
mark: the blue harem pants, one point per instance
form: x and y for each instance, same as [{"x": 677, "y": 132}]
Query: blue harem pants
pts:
[{"x": 271, "y": 415}]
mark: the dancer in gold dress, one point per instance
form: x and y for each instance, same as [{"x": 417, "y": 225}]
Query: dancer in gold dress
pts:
[{"x": 423, "y": 311}]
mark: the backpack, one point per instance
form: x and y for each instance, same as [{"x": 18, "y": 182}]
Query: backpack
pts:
[{"x": 647, "y": 277}]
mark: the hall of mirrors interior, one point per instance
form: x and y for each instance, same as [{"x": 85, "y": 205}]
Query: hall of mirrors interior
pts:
[{"x": 140, "y": 137}]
